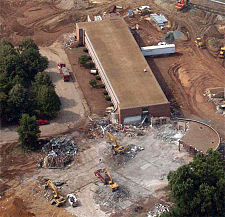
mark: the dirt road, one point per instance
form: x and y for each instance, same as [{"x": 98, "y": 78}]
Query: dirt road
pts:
[{"x": 72, "y": 108}]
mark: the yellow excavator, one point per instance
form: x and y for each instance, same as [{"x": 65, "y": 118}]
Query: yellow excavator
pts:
[
  {"x": 117, "y": 149},
  {"x": 106, "y": 178},
  {"x": 222, "y": 52},
  {"x": 199, "y": 43},
  {"x": 58, "y": 199}
]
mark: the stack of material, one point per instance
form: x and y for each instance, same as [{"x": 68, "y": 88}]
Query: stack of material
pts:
[
  {"x": 59, "y": 152},
  {"x": 158, "y": 210},
  {"x": 160, "y": 20}
]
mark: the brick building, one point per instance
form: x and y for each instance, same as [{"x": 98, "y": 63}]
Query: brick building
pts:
[{"x": 126, "y": 74}]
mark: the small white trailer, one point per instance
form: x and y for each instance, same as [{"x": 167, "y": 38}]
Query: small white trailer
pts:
[{"x": 160, "y": 49}]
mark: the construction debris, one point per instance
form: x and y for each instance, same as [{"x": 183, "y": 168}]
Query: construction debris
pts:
[
  {"x": 59, "y": 152},
  {"x": 169, "y": 133},
  {"x": 107, "y": 198},
  {"x": 96, "y": 125},
  {"x": 158, "y": 210},
  {"x": 132, "y": 150}
]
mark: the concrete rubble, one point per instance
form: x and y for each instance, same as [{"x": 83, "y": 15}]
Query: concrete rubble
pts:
[
  {"x": 158, "y": 210},
  {"x": 95, "y": 129},
  {"x": 59, "y": 152},
  {"x": 105, "y": 197}
]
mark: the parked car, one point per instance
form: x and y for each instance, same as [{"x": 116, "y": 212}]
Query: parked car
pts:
[{"x": 42, "y": 122}]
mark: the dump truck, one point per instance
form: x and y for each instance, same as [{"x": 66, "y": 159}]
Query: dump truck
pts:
[
  {"x": 64, "y": 71},
  {"x": 106, "y": 178}
]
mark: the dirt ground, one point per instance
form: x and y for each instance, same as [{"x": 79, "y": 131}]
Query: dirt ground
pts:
[
  {"x": 183, "y": 77},
  {"x": 94, "y": 96}
]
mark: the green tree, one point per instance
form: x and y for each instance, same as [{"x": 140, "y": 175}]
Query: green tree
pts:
[
  {"x": 42, "y": 78},
  {"x": 93, "y": 82},
  {"x": 27, "y": 43},
  {"x": 18, "y": 101},
  {"x": 28, "y": 131},
  {"x": 197, "y": 189},
  {"x": 48, "y": 102},
  {"x": 33, "y": 62}
]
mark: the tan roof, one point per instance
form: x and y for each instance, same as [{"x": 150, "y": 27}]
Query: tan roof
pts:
[{"x": 124, "y": 63}]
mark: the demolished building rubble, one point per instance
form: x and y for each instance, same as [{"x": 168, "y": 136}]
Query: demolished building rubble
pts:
[{"x": 59, "y": 152}]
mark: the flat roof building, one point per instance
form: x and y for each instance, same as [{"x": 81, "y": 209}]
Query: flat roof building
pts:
[{"x": 126, "y": 74}]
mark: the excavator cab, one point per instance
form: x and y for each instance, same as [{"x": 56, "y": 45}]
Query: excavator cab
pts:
[
  {"x": 199, "y": 42},
  {"x": 222, "y": 53}
]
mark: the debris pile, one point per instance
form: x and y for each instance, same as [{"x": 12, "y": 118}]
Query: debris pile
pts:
[
  {"x": 132, "y": 150},
  {"x": 169, "y": 134},
  {"x": 59, "y": 152},
  {"x": 97, "y": 126},
  {"x": 158, "y": 210},
  {"x": 105, "y": 197}
]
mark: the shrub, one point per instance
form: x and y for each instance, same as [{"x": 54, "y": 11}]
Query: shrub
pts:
[
  {"x": 89, "y": 65},
  {"x": 98, "y": 77},
  {"x": 93, "y": 82},
  {"x": 83, "y": 59},
  {"x": 80, "y": 44},
  {"x": 108, "y": 98},
  {"x": 111, "y": 104},
  {"x": 105, "y": 92},
  {"x": 85, "y": 50},
  {"x": 102, "y": 86}
]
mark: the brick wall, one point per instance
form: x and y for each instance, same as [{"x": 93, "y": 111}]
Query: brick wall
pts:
[{"x": 162, "y": 110}]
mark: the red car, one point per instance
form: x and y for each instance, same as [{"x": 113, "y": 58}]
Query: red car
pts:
[{"x": 42, "y": 122}]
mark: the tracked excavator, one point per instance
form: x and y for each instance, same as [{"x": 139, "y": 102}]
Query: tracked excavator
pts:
[
  {"x": 58, "y": 199},
  {"x": 222, "y": 53},
  {"x": 117, "y": 149},
  {"x": 106, "y": 178},
  {"x": 181, "y": 4},
  {"x": 199, "y": 43}
]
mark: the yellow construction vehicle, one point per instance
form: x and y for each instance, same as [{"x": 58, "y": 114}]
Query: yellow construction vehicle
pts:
[
  {"x": 199, "y": 42},
  {"x": 222, "y": 52},
  {"x": 117, "y": 149},
  {"x": 107, "y": 178},
  {"x": 58, "y": 199}
]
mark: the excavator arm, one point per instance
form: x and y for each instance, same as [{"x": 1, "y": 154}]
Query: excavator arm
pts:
[{"x": 117, "y": 148}]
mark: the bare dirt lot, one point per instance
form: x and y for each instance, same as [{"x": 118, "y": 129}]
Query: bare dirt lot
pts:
[
  {"x": 184, "y": 78},
  {"x": 94, "y": 96}
]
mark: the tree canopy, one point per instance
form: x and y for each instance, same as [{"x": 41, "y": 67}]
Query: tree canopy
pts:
[
  {"x": 197, "y": 189},
  {"x": 22, "y": 80},
  {"x": 28, "y": 131}
]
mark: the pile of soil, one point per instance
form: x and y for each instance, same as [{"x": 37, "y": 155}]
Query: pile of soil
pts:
[{"x": 14, "y": 207}]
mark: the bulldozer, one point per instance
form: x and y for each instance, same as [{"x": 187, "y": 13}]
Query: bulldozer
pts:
[
  {"x": 199, "y": 43},
  {"x": 106, "y": 179},
  {"x": 58, "y": 199},
  {"x": 222, "y": 53},
  {"x": 181, "y": 4},
  {"x": 117, "y": 149}
]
